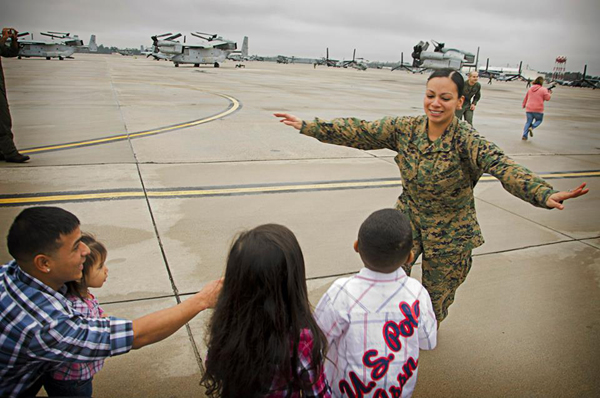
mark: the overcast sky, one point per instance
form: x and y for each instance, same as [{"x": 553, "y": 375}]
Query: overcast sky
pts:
[{"x": 507, "y": 31}]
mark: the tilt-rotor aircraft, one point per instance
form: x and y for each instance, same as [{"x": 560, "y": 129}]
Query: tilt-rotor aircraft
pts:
[
  {"x": 439, "y": 58},
  {"x": 214, "y": 51},
  {"x": 61, "y": 45}
]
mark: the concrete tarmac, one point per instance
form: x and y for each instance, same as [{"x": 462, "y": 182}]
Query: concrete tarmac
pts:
[{"x": 166, "y": 165}]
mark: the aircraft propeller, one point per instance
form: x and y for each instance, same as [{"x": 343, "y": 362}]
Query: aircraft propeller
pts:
[{"x": 204, "y": 36}]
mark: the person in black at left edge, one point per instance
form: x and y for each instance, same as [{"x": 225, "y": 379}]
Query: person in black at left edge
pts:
[{"x": 8, "y": 150}]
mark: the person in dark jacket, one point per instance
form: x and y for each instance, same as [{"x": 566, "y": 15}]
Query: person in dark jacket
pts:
[{"x": 8, "y": 150}]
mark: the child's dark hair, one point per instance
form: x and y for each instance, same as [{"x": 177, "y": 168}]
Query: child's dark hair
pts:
[
  {"x": 385, "y": 240},
  {"x": 263, "y": 307},
  {"x": 455, "y": 76},
  {"x": 97, "y": 254}
]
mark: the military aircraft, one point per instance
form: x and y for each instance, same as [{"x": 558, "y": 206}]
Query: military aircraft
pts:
[
  {"x": 282, "y": 59},
  {"x": 439, "y": 58},
  {"x": 327, "y": 61},
  {"x": 585, "y": 81},
  {"x": 356, "y": 63},
  {"x": 213, "y": 52},
  {"x": 61, "y": 45},
  {"x": 240, "y": 55}
]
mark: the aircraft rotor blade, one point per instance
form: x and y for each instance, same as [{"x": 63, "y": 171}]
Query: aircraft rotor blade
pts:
[
  {"x": 173, "y": 37},
  {"x": 22, "y": 34},
  {"x": 59, "y": 33},
  {"x": 164, "y": 34}
]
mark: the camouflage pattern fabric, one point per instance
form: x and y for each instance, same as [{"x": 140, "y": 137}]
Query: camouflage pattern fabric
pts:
[
  {"x": 437, "y": 177},
  {"x": 442, "y": 276}
]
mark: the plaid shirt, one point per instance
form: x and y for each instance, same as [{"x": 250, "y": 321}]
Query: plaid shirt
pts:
[
  {"x": 375, "y": 324},
  {"x": 89, "y": 308},
  {"x": 39, "y": 330},
  {"x": 307, "y": 373}
]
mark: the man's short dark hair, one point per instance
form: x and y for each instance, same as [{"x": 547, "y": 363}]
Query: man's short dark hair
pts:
[
  {"x": 385, "y": 239},
  {"x": 37, "y": 230}
]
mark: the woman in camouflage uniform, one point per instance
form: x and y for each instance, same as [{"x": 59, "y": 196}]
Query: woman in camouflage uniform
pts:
[{"x": 440, "y": 160}]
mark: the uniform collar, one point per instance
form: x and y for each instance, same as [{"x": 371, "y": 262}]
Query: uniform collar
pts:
[{"x": 442, "y": 144}]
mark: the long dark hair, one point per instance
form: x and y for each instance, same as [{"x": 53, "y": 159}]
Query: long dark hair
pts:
[{"x": 261, "y": 311}]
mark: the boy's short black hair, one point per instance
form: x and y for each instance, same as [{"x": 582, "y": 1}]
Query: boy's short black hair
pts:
[
  {"x": 37, "y": 230},
  {"x": 385, "y": 240}
]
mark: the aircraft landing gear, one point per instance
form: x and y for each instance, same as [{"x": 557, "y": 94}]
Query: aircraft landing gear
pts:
[
  {"x": 60, "y": 58},
  {"x": 196, "y": 65},
  {"x": 48, "y": 58},
  {"x": 217, "y": 65},
  {"x": 19, "y": 57},
  {"x": 177, "y": 65}
]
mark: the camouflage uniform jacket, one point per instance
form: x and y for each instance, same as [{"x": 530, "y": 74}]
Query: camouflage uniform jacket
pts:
[
  {"x": 472, "y": 93},
  {"x": 437, "y": 177}
]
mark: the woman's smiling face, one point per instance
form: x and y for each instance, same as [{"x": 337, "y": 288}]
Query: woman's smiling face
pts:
[{"x": 441, "y": 100}]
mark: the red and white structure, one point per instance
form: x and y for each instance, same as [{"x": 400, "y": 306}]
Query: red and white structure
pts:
[{"x": 560, "y": 66}]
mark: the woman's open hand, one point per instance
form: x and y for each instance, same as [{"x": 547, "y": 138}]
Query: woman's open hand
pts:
[
  {"x": 290, "y": 120},
  {"x": 555, "y": 201}
]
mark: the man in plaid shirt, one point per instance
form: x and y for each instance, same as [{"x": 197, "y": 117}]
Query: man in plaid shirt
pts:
[
  {"x": 376, "y": 321},
  {"x": 39, "y": 329}
]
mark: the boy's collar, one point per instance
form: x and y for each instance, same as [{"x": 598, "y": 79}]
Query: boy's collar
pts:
[{"x": 366, "y": 273}]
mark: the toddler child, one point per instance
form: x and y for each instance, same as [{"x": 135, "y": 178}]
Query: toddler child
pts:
[{"x": 75, "y": 379}]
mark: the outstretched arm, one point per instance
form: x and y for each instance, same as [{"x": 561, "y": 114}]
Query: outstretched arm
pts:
[
  {"x": 159, "y": 325},
  {"x": 386, "y": 133},
  {"x": 555, "y": 201}
]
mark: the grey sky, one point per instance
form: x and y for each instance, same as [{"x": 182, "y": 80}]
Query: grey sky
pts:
[{"x": 508, "y": 31}]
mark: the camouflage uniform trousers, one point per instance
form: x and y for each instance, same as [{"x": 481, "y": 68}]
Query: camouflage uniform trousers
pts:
[
  {"x": 441, "y": 277},
  {"x": 466, "y": 112}
]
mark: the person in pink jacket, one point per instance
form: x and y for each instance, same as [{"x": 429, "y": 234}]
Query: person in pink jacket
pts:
[{"x": 534, "y": 106}]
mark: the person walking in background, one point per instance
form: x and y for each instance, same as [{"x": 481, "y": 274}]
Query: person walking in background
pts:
[
  {"x": 472, "y": 94},
  {"x": 534, "y": 106},
  {"x": 8, "y": 150}
]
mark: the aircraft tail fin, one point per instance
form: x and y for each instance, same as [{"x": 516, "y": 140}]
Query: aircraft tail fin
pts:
[
  {"x": 245, "y": 47},
  {"x": 92, "y": 45}
]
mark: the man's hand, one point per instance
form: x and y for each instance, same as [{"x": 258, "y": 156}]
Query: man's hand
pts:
[
  {"x": 555, "y": 201},
  {"x": 472, "y": 107},
  {"x": 210, "y": 293}
]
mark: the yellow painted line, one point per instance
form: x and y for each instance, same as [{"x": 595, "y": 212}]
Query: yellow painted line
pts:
[
  {"x": 235, "y": 107},
  {"x": 69, "y": 198},
  {"x": 230, "y": 191},
  {"x": 242, "y": 190}
]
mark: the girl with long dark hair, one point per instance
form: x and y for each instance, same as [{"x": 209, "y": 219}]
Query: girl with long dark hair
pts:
[{"x": 263, "y": 340}]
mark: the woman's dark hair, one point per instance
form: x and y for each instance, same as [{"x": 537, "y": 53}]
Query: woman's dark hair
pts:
[
  {"x": 539, "y": 80},
  {"x": 255, "y": 329},
  {"x": 455, "y": 76},
  {"x": 97, "y": 254}
]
